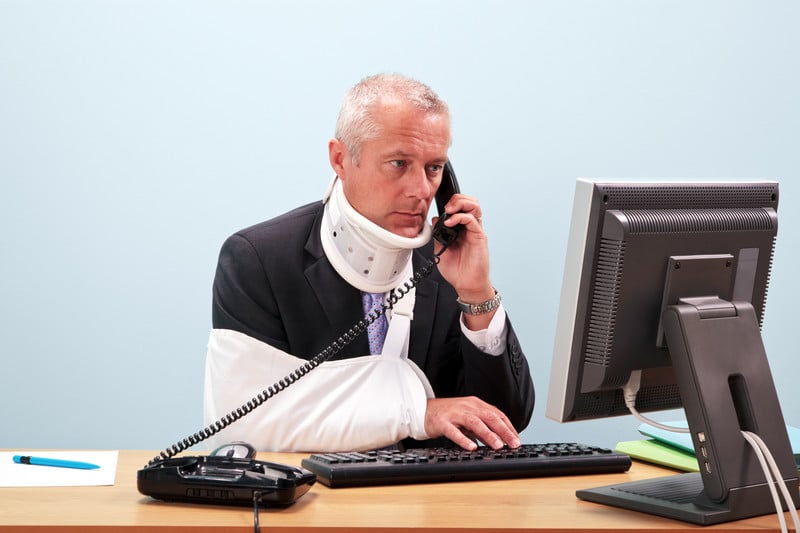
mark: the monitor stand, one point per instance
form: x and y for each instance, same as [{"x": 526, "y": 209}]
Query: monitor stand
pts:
[{"x": 726, "y": 387}]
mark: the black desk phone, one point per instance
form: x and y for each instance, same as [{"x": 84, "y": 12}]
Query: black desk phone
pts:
[
  {"x": 231, "y": 475},
  {"x": 225, "y": 479}
]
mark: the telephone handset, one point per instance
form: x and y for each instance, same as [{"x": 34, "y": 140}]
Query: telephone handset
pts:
[
  {"x": 447, "y": 188},
  {"x": 233, "y": 480}
]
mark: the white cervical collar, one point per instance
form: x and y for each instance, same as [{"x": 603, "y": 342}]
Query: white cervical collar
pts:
[{"x": 367, "y": 256}]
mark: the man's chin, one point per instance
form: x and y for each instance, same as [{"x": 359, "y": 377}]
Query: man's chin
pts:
[
  {"x": 409, "y": 232},
  {"x": 405, "y": 226}
]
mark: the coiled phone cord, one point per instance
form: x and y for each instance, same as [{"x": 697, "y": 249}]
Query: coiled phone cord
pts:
[{"x": 331, "y": 350}]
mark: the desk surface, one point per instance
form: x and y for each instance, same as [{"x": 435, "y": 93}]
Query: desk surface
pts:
[{"x": 543, "y": 504}]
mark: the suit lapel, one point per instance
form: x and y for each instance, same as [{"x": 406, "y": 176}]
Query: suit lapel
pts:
[{"x": 424, "y": 310}]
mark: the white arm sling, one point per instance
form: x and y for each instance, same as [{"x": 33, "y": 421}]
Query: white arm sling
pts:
[{"x": 358, "y": 403}]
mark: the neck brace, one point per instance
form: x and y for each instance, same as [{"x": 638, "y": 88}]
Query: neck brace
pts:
[{"x": 367, "y": 256}]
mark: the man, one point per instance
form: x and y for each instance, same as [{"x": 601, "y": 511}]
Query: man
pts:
[{"x": 292, "y": 285}]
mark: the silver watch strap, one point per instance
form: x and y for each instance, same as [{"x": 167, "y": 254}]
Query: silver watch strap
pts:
[{"x": 480, "y": 308}]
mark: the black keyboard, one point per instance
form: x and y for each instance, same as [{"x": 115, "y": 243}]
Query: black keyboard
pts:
[{"x": 432, "y": 465}]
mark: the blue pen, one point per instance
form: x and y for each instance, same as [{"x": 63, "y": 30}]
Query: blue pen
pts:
[{"x": 45, "y": 461}]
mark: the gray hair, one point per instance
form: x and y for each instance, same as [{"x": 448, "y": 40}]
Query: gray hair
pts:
[{"x": 356, "y": 122}]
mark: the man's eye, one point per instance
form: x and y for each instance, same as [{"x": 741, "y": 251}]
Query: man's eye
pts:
[
  {"x": 398, "y": 163},
  {"x": 435, "y": 168}
]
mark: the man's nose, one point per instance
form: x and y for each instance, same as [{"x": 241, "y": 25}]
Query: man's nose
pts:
[{"x": 418, "y": 184}]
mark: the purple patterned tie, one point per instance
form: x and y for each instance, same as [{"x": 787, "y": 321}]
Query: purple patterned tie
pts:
[{"x": 376, "y": 332}]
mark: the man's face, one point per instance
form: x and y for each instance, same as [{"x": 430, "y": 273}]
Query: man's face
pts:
[{"x": 398, "y": 173}]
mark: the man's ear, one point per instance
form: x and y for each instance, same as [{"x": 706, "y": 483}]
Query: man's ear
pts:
[{"x": 338, "y": 156}]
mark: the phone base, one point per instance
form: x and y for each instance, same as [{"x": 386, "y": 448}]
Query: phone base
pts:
[{"x": 218, "y": 480}]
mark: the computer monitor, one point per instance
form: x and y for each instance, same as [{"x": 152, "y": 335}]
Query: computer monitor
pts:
[{"x": 665, "y": 282}]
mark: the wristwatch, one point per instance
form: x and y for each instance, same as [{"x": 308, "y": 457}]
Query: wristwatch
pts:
[{"x": 481, "y": 308}]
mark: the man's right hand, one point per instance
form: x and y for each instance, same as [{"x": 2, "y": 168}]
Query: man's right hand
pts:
[{"x": 461, "y": 419}]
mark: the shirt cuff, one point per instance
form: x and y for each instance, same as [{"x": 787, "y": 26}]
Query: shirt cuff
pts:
[{"x": 491, "y": 340}]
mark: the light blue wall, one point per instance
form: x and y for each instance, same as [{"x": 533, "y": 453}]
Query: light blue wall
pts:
[{"x": 136, "y": 135}]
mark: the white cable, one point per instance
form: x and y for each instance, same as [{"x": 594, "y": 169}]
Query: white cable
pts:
[
  {"x": 776, "y": 473},
  {"x": 629, "y": 392},
  {"x": 781, "y": 482},
  {"x": 768, "y": 475}
]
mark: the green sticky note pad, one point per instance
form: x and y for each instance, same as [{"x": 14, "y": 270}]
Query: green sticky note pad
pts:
[{"x": 653, "y": 451}]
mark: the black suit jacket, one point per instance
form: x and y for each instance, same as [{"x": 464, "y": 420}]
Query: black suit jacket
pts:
[{"x": 274, "y": 283}]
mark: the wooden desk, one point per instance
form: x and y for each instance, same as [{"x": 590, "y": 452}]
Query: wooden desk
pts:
[{"x": 544, "y": 504}]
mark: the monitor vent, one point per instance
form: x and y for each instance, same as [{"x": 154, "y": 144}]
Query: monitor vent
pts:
[
  {"x": 599, "y": 404},
  {"x": 689, "y": 220},
  {"x": 657, "y": 397},
  {"x": 690, "y": 195},
  {"x": 612, "y": 402},
  {"x": 605, "y": 301},
  {"x": 766, "y": 286}
]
